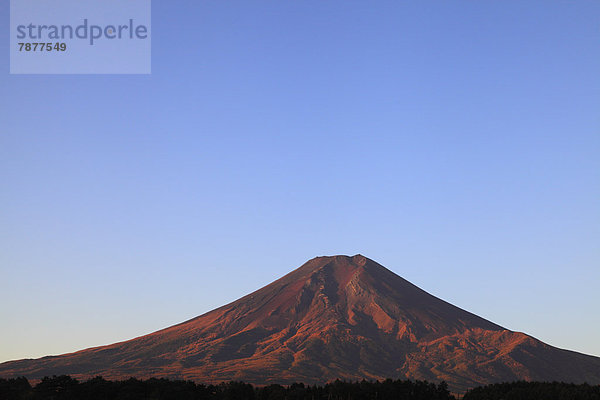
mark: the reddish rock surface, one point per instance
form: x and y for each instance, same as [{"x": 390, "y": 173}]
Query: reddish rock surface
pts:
[{"x": 334, "y": 317}]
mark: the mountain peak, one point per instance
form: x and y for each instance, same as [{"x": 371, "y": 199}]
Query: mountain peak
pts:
[
  {"x": 334, "y": 317},
  {"x": 340, "y": 259},
  {"x": 357, "y": 258},
  {"x": 341, "y": 264}
]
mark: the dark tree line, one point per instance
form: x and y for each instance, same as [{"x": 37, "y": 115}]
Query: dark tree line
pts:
[
  {"x": 66, "y": 388},
  {"x": 534, "y": 390}
]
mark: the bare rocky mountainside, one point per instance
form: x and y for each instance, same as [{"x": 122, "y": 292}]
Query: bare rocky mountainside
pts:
[{"x": 334, "y": 317}]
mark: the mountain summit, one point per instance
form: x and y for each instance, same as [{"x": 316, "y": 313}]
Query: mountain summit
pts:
[{"x": 334, "y": 317}]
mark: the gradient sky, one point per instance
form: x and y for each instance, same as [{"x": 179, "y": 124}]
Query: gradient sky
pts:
[{"x": 456, "y": 143}]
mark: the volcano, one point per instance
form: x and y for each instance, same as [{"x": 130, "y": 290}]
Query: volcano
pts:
[{"x": 334, "y": 317}]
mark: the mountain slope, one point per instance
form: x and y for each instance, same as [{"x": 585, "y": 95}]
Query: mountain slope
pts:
[{"x": 334, "y": 317}]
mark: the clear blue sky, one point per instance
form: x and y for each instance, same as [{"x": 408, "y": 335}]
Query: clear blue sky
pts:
[{"x": 456, "y": 143}]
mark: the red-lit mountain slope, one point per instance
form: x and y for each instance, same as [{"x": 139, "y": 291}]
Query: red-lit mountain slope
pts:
[{"x": 334, "y": 317}]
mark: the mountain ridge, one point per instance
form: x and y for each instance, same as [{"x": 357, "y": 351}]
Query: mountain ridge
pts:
[{"x": 333, "y": 317}]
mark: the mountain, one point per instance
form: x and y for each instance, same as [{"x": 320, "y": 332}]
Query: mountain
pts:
[{"x": 334, "y": 317}]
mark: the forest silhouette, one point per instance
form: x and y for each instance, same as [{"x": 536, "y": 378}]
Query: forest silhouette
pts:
[{"x": 65, "y": 387}]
